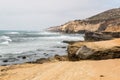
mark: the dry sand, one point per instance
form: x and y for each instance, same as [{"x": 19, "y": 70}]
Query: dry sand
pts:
[
  {"x": 108, "y": 44},
  {"x": 79, "y": 70}
]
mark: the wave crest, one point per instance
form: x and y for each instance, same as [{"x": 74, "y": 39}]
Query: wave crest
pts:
[
  {"x": 12, "y": 33},
  {"x": 5, "y": 40}
]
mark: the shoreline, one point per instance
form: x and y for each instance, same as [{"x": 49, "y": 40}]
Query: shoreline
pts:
[
  {"x": 95, "y": 58},
  {"x": 63, "y": 70},
  {"x": 29, "y": 46}
]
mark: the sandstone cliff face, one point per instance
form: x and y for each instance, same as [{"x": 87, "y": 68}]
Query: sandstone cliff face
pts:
[
  {"x": 113, "y": 29},
  {"x": 76, "y": 26},
  {"x": 107, "y": 21},
  {"x": 79, "y": 26}
]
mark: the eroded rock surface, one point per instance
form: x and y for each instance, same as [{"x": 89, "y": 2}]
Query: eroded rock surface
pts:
[
  {"x": 99, "y": 36},
  {"x": 109, "y": 49}
]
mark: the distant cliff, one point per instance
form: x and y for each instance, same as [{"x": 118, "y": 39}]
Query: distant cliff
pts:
[{"x": 106, "y": 21}]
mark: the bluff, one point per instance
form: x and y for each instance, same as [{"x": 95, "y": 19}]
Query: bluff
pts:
[{"x": 107, "y": 21}]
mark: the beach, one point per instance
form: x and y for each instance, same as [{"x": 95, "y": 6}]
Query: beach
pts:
[{"x": 63, "y": 70}]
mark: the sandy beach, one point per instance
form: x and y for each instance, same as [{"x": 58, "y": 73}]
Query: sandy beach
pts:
[{"x": 64, "y": 70}]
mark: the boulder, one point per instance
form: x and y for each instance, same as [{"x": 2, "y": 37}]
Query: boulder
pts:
[
  {"x": 61, "y": 58},
  {"x": 109, "y": 49}
]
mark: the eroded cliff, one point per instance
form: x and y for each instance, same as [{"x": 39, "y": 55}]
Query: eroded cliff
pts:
[{"x": 106, "y": 21}]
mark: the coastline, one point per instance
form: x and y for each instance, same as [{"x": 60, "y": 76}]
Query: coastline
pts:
[
  {"x": 60, "y": 68},
  {"x": 95, "y": 58},
  {"x": 28, "y": 46}
]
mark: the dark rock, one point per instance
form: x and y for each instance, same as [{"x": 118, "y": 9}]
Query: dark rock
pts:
[
  {"x": 22, "y": 57},
  {"x": 61, "y": 58},
  {"x": 106, "y": 54},
  {"x": 80, "y": 50},
  {"x": 86, "y": 53},
  {"x": 45, "y": 54},
  {"x": 101, "y": 75},
  {"x": 4, "y": 65},
  {"x": 52, "y": 59},
  {"x": 60, "y": 46},
  {"x": 5, "y": 60},
  {"x": 63, "y": 47},
  {"x": 81, "y": 31},
  {"x": 71, "y": 42},
  {"x": 42, "y": 60},
  {"x": 96, "y": 36},
  {"x": 113, "y": 34},
  {"x": 10, "y": 60}
]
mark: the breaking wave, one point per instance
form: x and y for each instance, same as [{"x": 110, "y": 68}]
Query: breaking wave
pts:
[
  {"x": 5, "y": 40},
  {"x": 12, "y": 33}
]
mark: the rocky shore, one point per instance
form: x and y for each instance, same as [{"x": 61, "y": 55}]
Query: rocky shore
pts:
[
  {"x": 96, "y": 58},
  {"x": 100, "y": 27}
]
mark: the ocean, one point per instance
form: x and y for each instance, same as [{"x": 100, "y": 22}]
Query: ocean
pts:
[{"x": 25, "y": 46}]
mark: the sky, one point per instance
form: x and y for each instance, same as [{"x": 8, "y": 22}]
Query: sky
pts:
[{"x": 41, "y": 14}]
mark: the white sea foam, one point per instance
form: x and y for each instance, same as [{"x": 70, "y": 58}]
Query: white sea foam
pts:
[
  {"x": 63, "y": 37},
  {"x": 71, "y": 38},
  {"x": 47, "y": 33},
  {"x": 5, "y": 43},
  {"x": 6, "y": 38},
  {"x": 12, "y": 33}
]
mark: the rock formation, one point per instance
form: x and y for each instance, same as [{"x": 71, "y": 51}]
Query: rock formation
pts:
[
  {"x": 103, "y": 26},
  {"x": 51, "y": 59},
  {"x": 94, "y": 50},
  {"x": 106, "y": 21},
  {"x": 99, "y": 36}
]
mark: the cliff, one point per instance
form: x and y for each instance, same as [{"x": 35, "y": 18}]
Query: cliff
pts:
[{"x": 106, "y": 21}]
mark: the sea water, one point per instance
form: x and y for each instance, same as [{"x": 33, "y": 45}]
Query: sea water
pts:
[{"x": 24, "y": 46}]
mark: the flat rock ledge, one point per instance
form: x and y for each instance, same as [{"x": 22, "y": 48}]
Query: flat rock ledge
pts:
[
  {"x": 100, "y": 36},
  {"x": 98, "y": 50}
]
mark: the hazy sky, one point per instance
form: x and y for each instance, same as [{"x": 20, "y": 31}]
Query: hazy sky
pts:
[{"x": 38, "y": 14}]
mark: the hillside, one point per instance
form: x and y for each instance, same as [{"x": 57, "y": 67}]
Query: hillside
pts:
[
  {"x": 109, "y": 14},
  {"x": 106, "y": 21}
]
